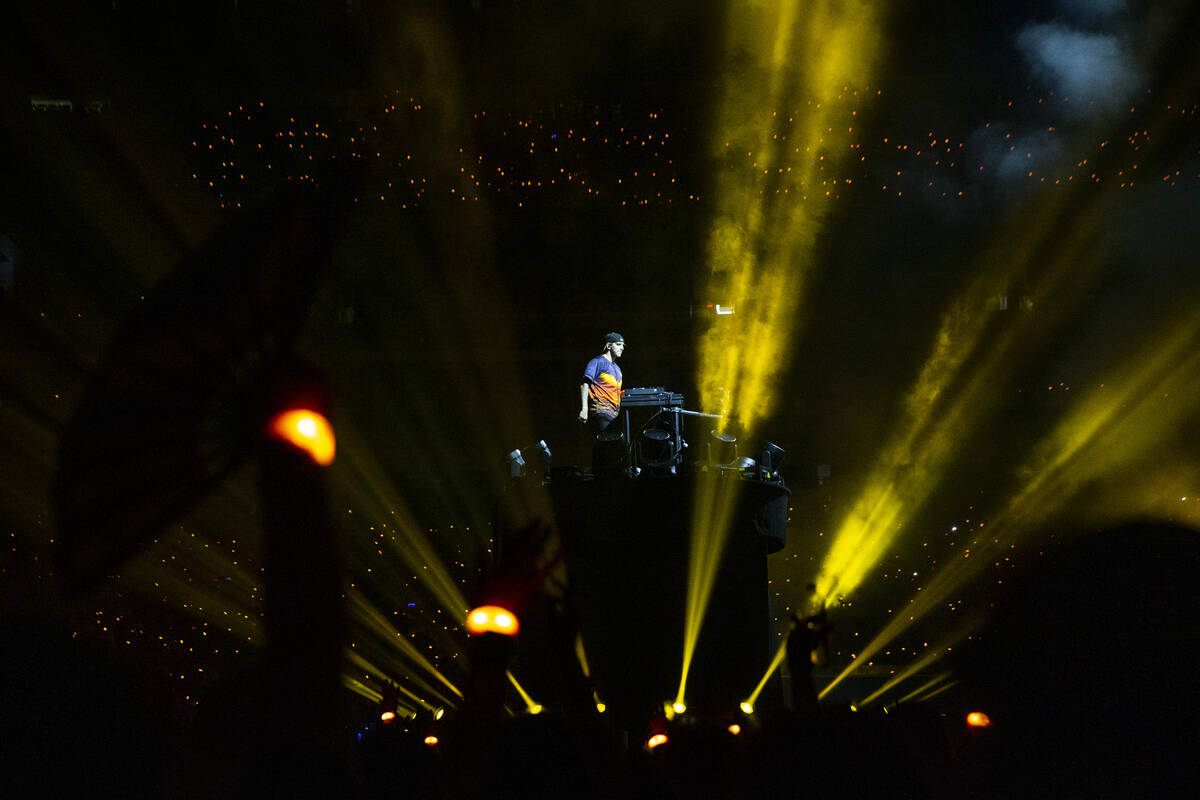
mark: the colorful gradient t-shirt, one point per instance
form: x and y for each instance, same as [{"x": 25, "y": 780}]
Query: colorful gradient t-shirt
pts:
[{"x": 604, "y": 386}]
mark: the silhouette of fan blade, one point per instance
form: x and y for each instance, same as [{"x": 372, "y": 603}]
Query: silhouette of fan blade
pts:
[{"x": 182, "y": 395}]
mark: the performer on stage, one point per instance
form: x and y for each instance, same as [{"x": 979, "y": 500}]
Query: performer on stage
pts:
[{"x": 600, "y": 391}]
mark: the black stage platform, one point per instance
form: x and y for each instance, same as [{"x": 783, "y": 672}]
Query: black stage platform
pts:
[{"x": 627, "y": 543}]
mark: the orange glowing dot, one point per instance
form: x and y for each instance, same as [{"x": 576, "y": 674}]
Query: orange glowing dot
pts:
[
  {"x": 978, "y": 719},
  {"x": 307, "y": 430},
  {"x": 387, "y": 716},
  {"x": 492, "y": 619},
  {"x": 431, "y": 740},
  {"x": 735, "y": 729},
  {"x": 656, "y": 740}
]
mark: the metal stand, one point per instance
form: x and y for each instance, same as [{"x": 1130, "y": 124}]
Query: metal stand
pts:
[{"x": 677, "y": 442}]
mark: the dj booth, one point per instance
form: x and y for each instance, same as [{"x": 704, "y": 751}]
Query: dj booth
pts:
[
  {"x": 627, "y": 543},
  {"x": 626, "y": 530},
  {"x": 649, "y": 434}
]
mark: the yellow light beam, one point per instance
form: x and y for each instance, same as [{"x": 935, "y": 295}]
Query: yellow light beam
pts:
[
  {"x": 915, "y": 667},
  {"x": 581, "y": 655},
  {"x": 774, "y": 665},
  {"x": 935, "y": 419},
  {"x": 772, "y": 195},
  {"x": 894, "y": 681},
  {"x": 529, "y": 703},
  {"x": 924, "y": 687},
  {"x": 1112, "y": 427},
  {"x": 360, "y": 688},
  {"x": 366, "y": 666},
  {"x": 362, "y": 610},
  {"x": 363, "y": 479},
  {"x": 1057, "y": 252},
  {"x": 478, "y": 333},
  {"x": 937, "y": 691},
  {"x": 917, "y": 607},
  {"x": 1115, "y": 426}
]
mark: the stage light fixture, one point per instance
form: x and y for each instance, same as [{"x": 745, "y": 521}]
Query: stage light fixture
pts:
[
  {"x": 722, "y": 448},
  {"x": 542, "y": 455},
  {"x": 539, "y": 453},
  {"x": 658, "y": 453},
  {"x": 747, "y": 707},
  {"x": 439, "y": 713},
  {"x": 771, "y": 459},
  {"x": 516, "y": 464},
  {"x": 492, "y": 619},
  {"x": 610, "y": 454},
  {"x": 679, "y": 708}
]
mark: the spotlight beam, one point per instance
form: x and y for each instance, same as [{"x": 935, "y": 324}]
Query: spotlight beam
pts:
[
  {"x": 529, "y": 703},
  {"x": 363, "y": 479},
  {"x": 924, "y": 687},
  {"x": 1111, "y": 427},
  {"x": 362, "y": 610},
  {"x": 937, "y": 691},
  {"x": 360, "y": 688},
  {"x": 912, "y": 669},
  {"x": 1060, "y": 237},
  {"x": 945, "y": 404},
  {"x": 357, "y": 660},
  {"x": 780, "y": 653},
  {"x": 897, "y": 625},
  {"x": 762, "y": 244}
]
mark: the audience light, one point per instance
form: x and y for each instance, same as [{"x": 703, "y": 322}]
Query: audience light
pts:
[
  {"x": 978, "y": 719},
  {"x": 306, "y": 430},
  {"x": 492, "y": 619}
]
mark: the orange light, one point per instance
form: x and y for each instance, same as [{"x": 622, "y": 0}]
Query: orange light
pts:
[
  {"x": 492, "y": 619},
  {"x": 431, "y": 740},
  {"x": 307, "y": 430},
  {"x": 978, "y": 719},
  {"x": 655, "y": 740},
  {"x": 735, "y": 729},
  {"x": 387, "y": 716}
]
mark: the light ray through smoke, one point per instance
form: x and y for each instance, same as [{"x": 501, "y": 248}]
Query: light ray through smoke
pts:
[{"x": 803, "y": 60}]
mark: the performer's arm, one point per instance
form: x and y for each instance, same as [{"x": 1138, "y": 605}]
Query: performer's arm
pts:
[{"x": 583, "y": 398}]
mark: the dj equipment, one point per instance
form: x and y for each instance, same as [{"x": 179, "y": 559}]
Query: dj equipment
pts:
[{"x": 654, "y": 396}]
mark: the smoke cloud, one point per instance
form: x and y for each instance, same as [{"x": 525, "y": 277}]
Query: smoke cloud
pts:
[{"x": 1095, "y": 71}]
